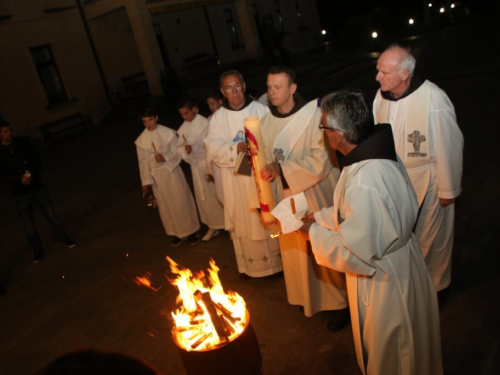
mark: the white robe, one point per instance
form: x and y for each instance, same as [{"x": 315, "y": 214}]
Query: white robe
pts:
[
  {"x": 435, "y": 226},
  {"x": 175, "y": 202},
  {"x": 214, "y": 170},
  {"x": 257, "y": 254},
  {"x": 368, "y": 235},
  {"x": 211, "y": 211},
  {"x": 307, "y": 169}
]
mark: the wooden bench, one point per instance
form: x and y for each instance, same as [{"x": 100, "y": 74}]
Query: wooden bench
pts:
[
  {"x": 200, "y": 61},
  {"x": 48, "y": 131}
]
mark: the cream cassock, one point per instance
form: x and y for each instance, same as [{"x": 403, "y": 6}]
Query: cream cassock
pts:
[
  {"x": 368, "y": 235},
  {"x": 175, "y": 202},
  {"x": 211, "y": 212},
  {"x": 257, "y": 254},
  {"x": 296, "y": 142}
]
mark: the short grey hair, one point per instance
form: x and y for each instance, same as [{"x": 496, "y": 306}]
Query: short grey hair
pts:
[
  {"x": 406, "y": 60},
  {"x": 349, "y": 112},
  {"x": 231, "y": 73}
]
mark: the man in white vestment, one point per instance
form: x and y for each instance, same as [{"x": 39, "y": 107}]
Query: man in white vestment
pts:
[
  {"x": 191, "y": 135},
  {"x": 430, "y": 144},
  {"x": 368, "y": 234},
  {"x": 299, "y": 162},
  {"x": 160, "y": 172},
  {"x": 257, "y": 254}
]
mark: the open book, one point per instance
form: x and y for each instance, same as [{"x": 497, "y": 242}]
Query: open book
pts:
[{"x": 243, "y": 165}]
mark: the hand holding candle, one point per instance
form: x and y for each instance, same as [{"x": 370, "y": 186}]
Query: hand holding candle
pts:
[
  {"x": 258, "y": 157},
  {"x": 158, "y": 157}
]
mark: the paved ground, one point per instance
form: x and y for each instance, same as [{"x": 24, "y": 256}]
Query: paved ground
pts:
[{"x": 85, "y": 297}]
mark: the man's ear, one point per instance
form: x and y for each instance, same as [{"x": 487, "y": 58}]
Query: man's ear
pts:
[
  {"x": 293, "y": 88},
  {"x": 405, "y": 74}
]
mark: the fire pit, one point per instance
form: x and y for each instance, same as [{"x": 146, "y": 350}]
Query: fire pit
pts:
[{"x": 212, "y": 328}]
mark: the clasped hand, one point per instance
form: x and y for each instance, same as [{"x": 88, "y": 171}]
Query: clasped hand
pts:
[{"x": 270, "y": 171}]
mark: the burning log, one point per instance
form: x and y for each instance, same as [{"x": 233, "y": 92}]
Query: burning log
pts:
[
  {"x": 200, "y": 340},
  {"x": 216, "y": 320},
  {"x": 226, "y": 313}
]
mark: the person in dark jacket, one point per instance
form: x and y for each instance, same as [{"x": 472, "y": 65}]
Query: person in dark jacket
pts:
[{"x": 20, "y": 168}]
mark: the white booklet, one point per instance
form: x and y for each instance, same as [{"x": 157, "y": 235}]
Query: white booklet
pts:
[{"x": 290, "y": 211}]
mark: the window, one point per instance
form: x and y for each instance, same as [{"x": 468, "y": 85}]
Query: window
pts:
[
  {"x": 47, "y": 71},
  {"x": 231, "y": 28},
  {"x": 277, "y": 9}
]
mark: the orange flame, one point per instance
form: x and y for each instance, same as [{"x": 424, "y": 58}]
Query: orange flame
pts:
[
  {"x": 194, "y": 328},
  {"x": 145, "y": 281}
]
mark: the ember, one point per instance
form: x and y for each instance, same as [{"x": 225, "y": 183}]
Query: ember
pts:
[{"x": 207, "y": 317}]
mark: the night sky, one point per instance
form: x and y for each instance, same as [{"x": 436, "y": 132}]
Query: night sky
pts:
[{"x": 334, "y": 13}]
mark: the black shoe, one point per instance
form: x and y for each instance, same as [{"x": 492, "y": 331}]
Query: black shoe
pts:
[
  {"x": 339, "y": 319},
  {"x": 194, "y": 239},
  {"x": 177, "y": 241},
  {"x": 69, "y": 243}
]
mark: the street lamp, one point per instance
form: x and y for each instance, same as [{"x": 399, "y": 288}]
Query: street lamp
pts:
[
  {"x": 410, "y": 21},
  {"x": 374, "y": 35}
]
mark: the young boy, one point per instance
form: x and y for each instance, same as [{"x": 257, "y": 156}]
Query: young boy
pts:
[
  {"x": 191, "y": 135},
  {"x": 160, "y": 171}
]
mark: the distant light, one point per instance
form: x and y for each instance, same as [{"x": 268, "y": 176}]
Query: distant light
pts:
[
  {"x": 323, "y": 32},
  {"x": 430, "y": 5},
  {"x": 374, "y": 35},
  {"x": 441, "y": 10},
  {"x": 453, "y": 5},
  {"x": 410, "y": 21}
]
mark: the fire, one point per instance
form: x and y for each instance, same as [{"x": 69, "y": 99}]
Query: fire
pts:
[
  {"x": 145, "y": 281},
  {"x": 207, "y": 317}
]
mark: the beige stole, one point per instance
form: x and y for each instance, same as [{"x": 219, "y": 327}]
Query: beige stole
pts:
[
  {"x": 288, "y": 137},
  {"x": 416, "y": 156}
]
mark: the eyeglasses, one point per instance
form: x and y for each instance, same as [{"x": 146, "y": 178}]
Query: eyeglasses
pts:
[
  {"x": 323, "y": 128},
  {"x": 237, "y": 87}
]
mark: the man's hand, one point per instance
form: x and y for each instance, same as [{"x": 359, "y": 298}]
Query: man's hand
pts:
[
  {"x": 304, "y": 230},
  {"x": 26, "y": 180},
  {"x": 242, "y": 147},
  {"x": 446, "y": 202},
  {"x": 210, "y": 178},
  {"x": 270, "y": 171},
  {"x": 159, "y": 158},
  {"x": 188, "y": 149}
]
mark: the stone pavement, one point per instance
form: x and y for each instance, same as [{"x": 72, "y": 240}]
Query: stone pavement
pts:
[{"x": 86, "y": 298}]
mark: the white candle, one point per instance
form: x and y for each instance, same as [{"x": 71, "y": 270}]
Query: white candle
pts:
[{"x": 258, "y": 155}]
